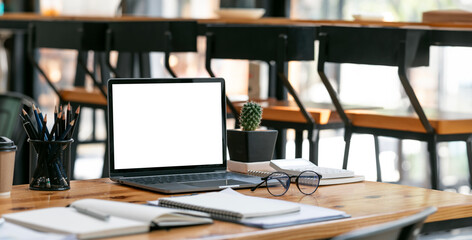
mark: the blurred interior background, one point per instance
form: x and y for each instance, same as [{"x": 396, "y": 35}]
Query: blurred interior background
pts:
[{"x": 445, "y": 84}]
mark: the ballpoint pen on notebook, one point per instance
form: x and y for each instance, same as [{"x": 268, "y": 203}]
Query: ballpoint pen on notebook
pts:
[{"x": 92, "y": 213}]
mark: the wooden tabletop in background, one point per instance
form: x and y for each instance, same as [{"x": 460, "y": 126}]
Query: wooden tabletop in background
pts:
[{"x": 27, "y": 17}]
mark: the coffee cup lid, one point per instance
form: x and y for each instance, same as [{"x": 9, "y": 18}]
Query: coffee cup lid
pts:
[{"x": 6, "y": 145}]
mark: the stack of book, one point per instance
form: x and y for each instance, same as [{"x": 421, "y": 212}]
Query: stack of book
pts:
[{"x": 330, "y": 176}]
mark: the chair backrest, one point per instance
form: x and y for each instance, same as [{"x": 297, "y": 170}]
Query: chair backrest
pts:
[
  {"x": 399, "y": 47},
  {"x": 69, "y": 35},
  {"x": 375, "y": 46},
  {"x": 265, "y": 43},
  {"x": 259, "y": 42},
  {"x": 65, "y": 34},
  {"x": 151, "y": 36},
  {"x": 11, "y": 105},
  {"x": 406, "y": 228}
]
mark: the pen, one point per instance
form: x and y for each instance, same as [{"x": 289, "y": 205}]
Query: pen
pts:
[{"x": 92, "y": 213}]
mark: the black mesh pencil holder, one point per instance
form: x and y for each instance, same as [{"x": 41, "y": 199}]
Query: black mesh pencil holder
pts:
[{"x": 50, "y": 164}]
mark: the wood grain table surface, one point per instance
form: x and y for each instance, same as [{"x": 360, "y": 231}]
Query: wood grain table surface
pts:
[{"x": 368, "y": 203}]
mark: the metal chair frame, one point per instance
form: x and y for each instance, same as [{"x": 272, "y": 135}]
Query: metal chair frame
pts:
[
  {"x": 50, "y": 35},
  {"x": 280, "y": 38},
  {"x": 406, "y": 228},
  {"x": 408, "y": 48},
  {"x": 161, "y": 36}
]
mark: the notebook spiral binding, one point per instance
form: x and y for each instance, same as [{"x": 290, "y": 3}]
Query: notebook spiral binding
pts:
[
  {"x": 258, "y": 173},
  {"x": 262, "y": 174},
  {"x": 214, "y": 213}
]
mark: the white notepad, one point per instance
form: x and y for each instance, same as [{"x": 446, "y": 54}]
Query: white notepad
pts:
[
  {"x": 69, "y": 221},
  {"x": 125, "y": 218}
]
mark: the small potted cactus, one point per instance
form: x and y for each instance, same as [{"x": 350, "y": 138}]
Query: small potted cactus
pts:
[{"x": 251, "y": 144}]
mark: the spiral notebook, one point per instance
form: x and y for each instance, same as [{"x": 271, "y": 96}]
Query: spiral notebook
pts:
[
  {"x": 323, "y": 181},
  {"x": 224, "y": 206},
  {"x": 229, "y": 205}
]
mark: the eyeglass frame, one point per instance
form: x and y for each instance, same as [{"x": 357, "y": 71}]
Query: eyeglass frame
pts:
[{"x": 264, "y": 180}]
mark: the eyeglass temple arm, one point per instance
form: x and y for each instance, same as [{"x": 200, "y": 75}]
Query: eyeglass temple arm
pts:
[{"x": 258, "y": 185}]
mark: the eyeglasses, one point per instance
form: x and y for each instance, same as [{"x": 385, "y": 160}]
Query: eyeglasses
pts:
[{"x": 278, "y": 183}]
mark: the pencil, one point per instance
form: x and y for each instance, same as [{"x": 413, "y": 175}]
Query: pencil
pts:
[
  {"x": 55, "y": 113},
  {"x": 59, "y": 125},
  {"x": 40, "y": 114},
  {"x": 22, "y": 118},
  {"x": 69, "y": 127},
  {"x": 56, "y": 124},
  {"x": 42, "y": 120},
  {"x": 28, "y": 124},
  {"x": 36, "y": 116},
  {"x": 53, "y": 130},
  {"x": 63, "y": 124},
  {"x": 69, "y": 113},
  {"x": 76, "y": 120},
  {"x": 29, "y": 130},
  {"x": 26, "y": 116},
  {"x": 43, "y": 132}
]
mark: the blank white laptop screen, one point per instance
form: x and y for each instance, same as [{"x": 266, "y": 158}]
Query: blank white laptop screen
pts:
[{"x": 167, "y": 125}]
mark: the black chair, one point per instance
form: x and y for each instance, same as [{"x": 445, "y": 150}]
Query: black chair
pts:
[
  {"x": 11, "y": 105},
  {"x": 138, "y": 38},
  {"x": 407, "y": 228},
  {"x": 83, "y": 37},
  {"x": 275, "y": 45},
  {"x": 402, "y": 48}
]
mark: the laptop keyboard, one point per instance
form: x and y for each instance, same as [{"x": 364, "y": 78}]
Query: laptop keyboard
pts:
[{"x": 178, "y": 178}]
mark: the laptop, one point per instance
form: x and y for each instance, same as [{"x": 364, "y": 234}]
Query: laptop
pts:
[{"x": 169, "y": 135}]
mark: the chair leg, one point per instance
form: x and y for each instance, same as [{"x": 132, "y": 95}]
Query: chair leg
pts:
[
  {"x": 314, "y": 139},
  {"x": 280, "y": 144},
  {"x": 347, "y": 140},
  {"x": 144, "y": 65},
  {"x": 106, "y": 164},
  {"x": 377, "y": 158},
  {"x": 469, "y": 157},
  {"x": 298, "y": 143},
  {"x": 74, "y": 146},
  {"x": 434, "y": 163}
]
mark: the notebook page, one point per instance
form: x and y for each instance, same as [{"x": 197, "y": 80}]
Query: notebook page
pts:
[
  {"x": 132, "y": 211},
  {"x": 68, "y": 220}
]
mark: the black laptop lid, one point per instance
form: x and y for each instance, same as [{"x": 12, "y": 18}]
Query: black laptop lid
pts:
[{"x": 166, "y": 126}]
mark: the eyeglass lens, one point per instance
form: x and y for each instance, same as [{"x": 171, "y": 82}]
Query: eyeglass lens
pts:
[
  {"x": 278, "y": 183},
  {"x": 308, "y": 182}
]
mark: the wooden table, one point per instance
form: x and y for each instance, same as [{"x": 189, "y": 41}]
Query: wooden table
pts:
[{"x": 367, "y": 202}]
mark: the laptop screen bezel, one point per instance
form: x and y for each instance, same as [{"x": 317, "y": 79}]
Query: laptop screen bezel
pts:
[{"x": 163, "y": 170}]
